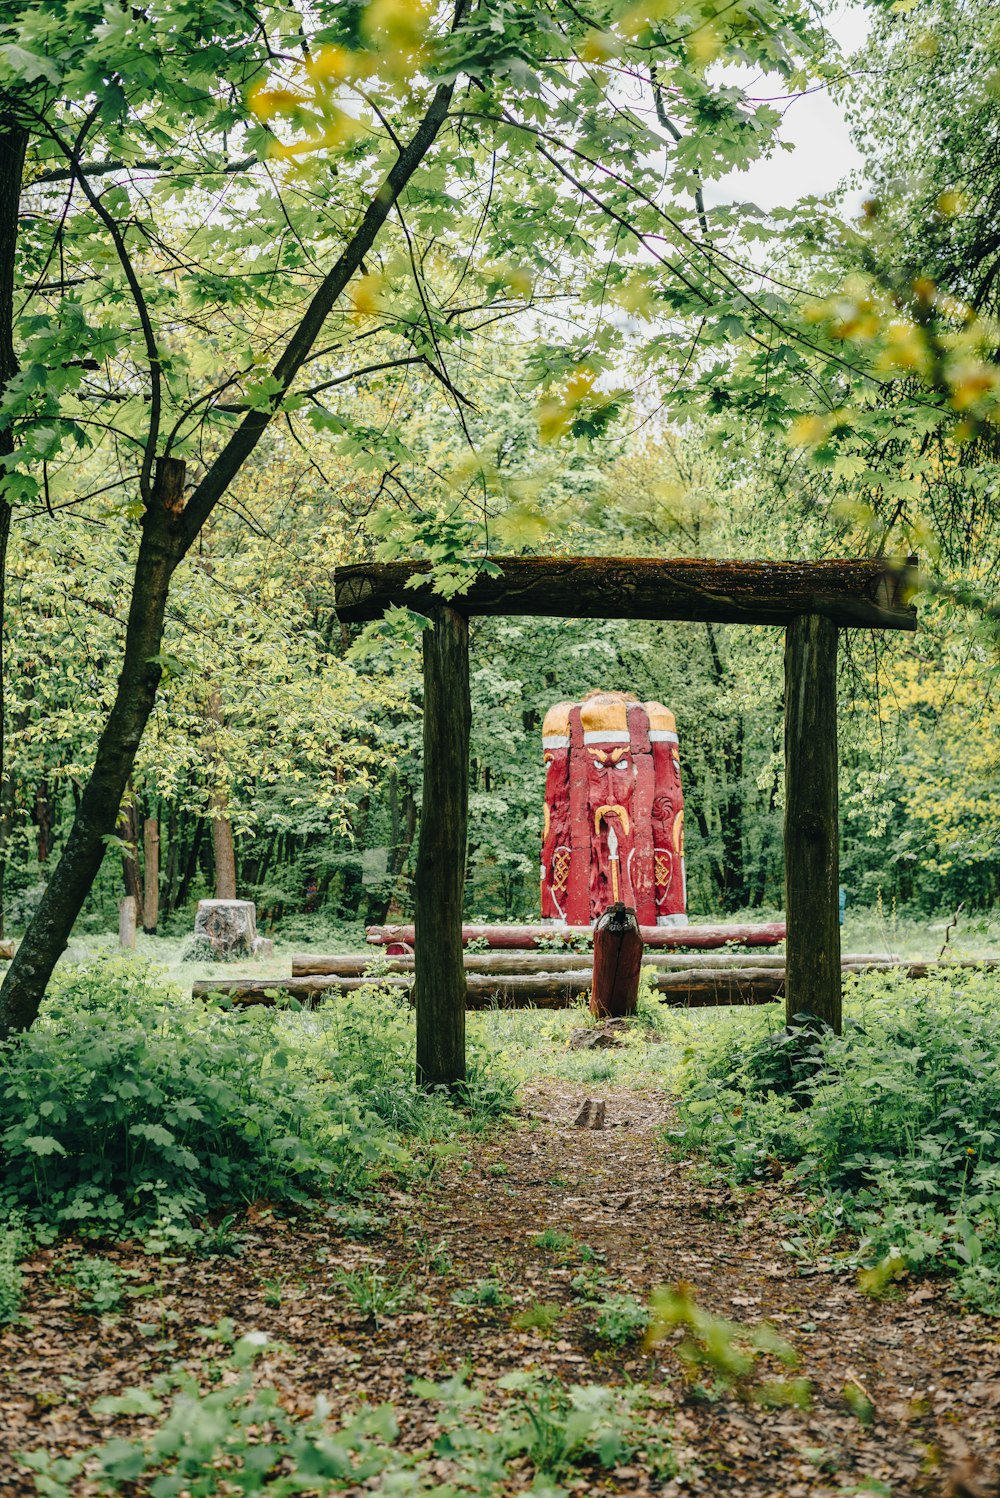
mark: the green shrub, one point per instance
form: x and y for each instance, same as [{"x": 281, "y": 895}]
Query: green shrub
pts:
[
  {"x": 620, "y": 1318},
  {"x": 240, "y": 1438},
  {"x": 98, "y": 1284},
  {"x": 896, "y": 1123},
  {"x": 13, "y": 1247},
  {"x": 131, "y": 1107}
]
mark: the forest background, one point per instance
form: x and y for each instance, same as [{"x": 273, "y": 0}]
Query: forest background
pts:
[{"x": 598, "y": 413}]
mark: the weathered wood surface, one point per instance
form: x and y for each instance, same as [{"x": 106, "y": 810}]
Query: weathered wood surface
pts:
[
  {"x": 439, "y": 886},
  {"x": 614, "y": 988},
  {"x": 150, "y": 875},
  {"x": 695, "y": 986},
  {"x": 127, "y": 914},
  {"x": 874, "y": 593},
  {"x": 699, "y": 937},
  {"x": 812, "y": 905},
  {"x": 354, "y": 965}
]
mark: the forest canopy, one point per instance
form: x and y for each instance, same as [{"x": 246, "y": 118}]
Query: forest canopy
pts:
[{"x": 395, "y": 280}]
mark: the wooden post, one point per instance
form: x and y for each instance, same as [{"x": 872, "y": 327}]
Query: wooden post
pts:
[
  {"x": 439, "y": 973},
  {"x": 150, "y": 875},
  {"x": 614, "y": 986},
  {"x": 812, "y": 962},
  {"x": 126, "y": 923}
]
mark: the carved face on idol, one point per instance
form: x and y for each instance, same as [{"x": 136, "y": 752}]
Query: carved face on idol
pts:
[{"x": 611, "y": 774}]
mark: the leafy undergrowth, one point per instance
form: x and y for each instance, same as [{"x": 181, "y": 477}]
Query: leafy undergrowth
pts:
[
  {"x": 242, "y": 1438},
  {"x": 893, "y": 1127},
  {"x": 131, "y": 1110}
]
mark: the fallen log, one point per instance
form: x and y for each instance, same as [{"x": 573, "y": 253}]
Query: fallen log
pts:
[
  {"x": 353, "y": 964},
  {"x": 532, "y": 937},
  {"x": 268, "y": 990},
  {"x": 690, "y": 986}
]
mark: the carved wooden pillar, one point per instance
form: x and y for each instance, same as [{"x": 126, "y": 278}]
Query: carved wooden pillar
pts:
[{"x": 812, "y": 963}]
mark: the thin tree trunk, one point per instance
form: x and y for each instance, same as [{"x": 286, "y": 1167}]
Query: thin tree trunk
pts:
[
  {"x": 13, "y": 145},
  {"x": 170, "y": 873},
  {"x": 129, "y": 823},
  {"x": 160, "y": 549},
  {"x": 43, "y": 821},
  {"x": 169, "y": 528},
  {"x": 190, "y": 863},
  {"x": 223, "y": 848},
  {"x": 150, "y": 875}
]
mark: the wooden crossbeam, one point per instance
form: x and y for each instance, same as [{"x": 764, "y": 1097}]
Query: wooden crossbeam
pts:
[{"x": 873, "y": 593}]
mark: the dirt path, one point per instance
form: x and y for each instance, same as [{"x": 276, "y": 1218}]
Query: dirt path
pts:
[{"x": 931, "y": 1374}]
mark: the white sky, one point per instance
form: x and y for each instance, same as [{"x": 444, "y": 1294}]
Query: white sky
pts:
[{"x": 814, "y": 123}]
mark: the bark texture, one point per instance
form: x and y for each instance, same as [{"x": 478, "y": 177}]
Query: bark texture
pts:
[
  {"x": 874, "y": 592},
  {"x": 160, "y": 549},
  {"x": 528, "y": 937},
  {"x": 150, "y": 875},
  {"x": 617, "y": 961},
  {"x": 354, "y": 965},
  {"x": 440, "y": 987},
  {"x": 812, "y": 948}
]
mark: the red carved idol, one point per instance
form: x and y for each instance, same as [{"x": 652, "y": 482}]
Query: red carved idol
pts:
[{"x": 614, "y": 813}]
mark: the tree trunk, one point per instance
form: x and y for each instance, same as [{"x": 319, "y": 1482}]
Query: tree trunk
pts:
[
  {"x": 440, "y": 987},
  {"x": 150, "y": 875},
  {"x": 13, "y": 145},
  {"x": 190, "y": 862},
  {"x": 129, "y": 823},
  {"x": 160, "y": 549},
  {"x": 43, "y": 821},
  {"x": 812, "y": 911},
  {"x": 126, "y": 923},
  {"x": 223, "y": 848},
  {"x": 170, "y": 873}
]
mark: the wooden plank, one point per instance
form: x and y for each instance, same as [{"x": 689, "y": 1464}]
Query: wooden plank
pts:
[
  {"x": 528, "y": 937},
  {"x": 874, "y": 592},
  {"x": 812, "y": 947},
  {"x": 439, "y": 886}
]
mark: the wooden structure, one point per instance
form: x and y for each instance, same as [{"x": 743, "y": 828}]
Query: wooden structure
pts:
[
  {"x": 812, "y": 600},
  {"x": 614, "y": 987}
]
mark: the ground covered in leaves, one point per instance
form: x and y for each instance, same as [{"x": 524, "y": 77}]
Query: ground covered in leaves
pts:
[{"x": 532, "y": 1253}]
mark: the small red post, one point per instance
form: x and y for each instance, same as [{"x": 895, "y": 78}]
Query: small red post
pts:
[{"x": 617, "y": 960}]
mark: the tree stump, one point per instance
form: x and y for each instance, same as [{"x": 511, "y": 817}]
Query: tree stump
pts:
[
  {"x": 617, "y": 960},
  {"x": 224, "y": 931}
]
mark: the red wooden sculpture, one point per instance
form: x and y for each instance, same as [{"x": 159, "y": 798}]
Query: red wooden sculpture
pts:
[{"x": 614, "y": 812}]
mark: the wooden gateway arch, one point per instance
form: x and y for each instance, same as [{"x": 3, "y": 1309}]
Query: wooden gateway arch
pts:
[{"x": 812, "y": 600}]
